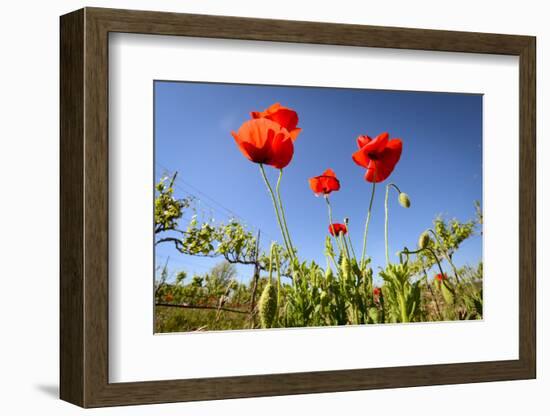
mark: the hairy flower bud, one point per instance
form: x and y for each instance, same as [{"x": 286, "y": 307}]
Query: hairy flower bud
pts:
[
  {"x": 345, "y": 267},
  {"x": 424, "y": 240},
  {"x": 267, "y": 306},
  {"x": 404, "y": 200},
  {"x": 329, "y": 276}
]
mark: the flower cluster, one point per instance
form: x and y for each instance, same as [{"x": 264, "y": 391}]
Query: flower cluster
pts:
[{"x": 268, "y": 139}]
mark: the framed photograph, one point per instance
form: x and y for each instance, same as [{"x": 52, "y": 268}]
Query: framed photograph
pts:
[{"x": 255, "y": 207}]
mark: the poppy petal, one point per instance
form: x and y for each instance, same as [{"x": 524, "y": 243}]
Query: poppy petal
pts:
[
  {"x": 315, "y": 185},
  {"x": 329, "y": 172},
  {"x": 252, "y": 153},
  {"x": 254, "y": 131},
  {"x": 285, "y": 117},
  {"x": 392, "y": 153},
  {"x": 382, "y": 168},
  {"x": 273, "y": 107},
  {"x": 377, "y": 173},
  {"x": 281, "y": 115},
  {"x": 281, "y": 150},
  {"x": 257, "y": 141},
  {"x": 294, "y": 134},
  {"x": 361, "y": 158},
  {"x": 245, "y": 150},
  {"x": 325, "y": 183},
  {"x": 335, "y": 229},
  {"x": 330, "y": 184},
  {"x": 377, "y": 145},
  {"x": 362, "y": 141}
]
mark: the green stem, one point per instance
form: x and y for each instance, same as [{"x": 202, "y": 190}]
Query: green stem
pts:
[
  {"x": 331, "y": 223},
  {"x": 445, "y": 254},
  {"x": 351, "y": 247},
  {"x": 338, "y": 272},
  {"x": 436, "y": 301},
  {"x": 363, "y": 252},
  {"x": 437, "y": 260},
  {"x": 270, "y": 189},
  {"x": 407, "y": 252},
  {"x": 278, "y": 283},
  {"x": 271, "y": 262},
  {"x": 283, "y": 216},
  {"x": 386, "y": 220},
  {"x": 344, "y": 244}
]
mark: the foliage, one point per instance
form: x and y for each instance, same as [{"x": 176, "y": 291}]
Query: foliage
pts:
[
  {"x": 339, "y": 294},
  {"x": 446, "y": 238},
  {"x": 168, "y": 209},
  {"x": 401, "y": 294}
]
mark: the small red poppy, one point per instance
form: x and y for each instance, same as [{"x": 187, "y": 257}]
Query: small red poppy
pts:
[
  {"x": 439, "y": 277},
  {"x": 325, "y": 183},
  {"x": 264, "y": 141},
  {"x": 376, "y": 291},
  {"x": 379, "y": 156},
  {"x": 281, "y": 115},
  {"x": 336, "y": 229}
]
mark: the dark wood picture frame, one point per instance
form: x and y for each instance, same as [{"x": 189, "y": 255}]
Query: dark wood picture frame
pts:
[{"x": 84, "y": 207}]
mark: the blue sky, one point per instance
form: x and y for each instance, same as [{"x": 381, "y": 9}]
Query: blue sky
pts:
[{"x": 440, "y": 168}]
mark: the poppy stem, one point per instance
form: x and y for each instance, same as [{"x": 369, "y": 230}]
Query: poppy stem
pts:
[
  {"x": 445, "y": 254},
  {"x": 437, "y": 260},
  {"x": 331, "y": 223},
  {"x": 345, "y": 244},
  {"x": 278, "y": 280},
  {"x": 351, "y": 246},
  {"x": 407, "y": 252},
  {"x": 367, "y": 225},
  {"x": 270, "y": 189},
  {"x": 283, "y": 210},
  {"x": 432, "y": 293},
  {"x": 271, "y": 261},
  {"x": 386, "y": 220}
]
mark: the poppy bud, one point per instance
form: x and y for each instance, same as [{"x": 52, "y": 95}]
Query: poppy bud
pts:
[
  {"x": 424, "y": 240},
  {"x": 345, "y": 267},
  {"x": 404, "y": 200},
  {"x": 267, "y": 306}
]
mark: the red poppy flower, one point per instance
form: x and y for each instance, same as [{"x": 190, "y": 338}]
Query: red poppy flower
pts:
[
  {"x": 439, "y": 277},
  {"x": 264, "y": 141},
  {"x": 336, "y": 229},
  {"x": 379, "y": 156},
  {"x": 376, "y": 291},
  {"x": 325, "y": 183},
  {"x": 284, "y": 116}
]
